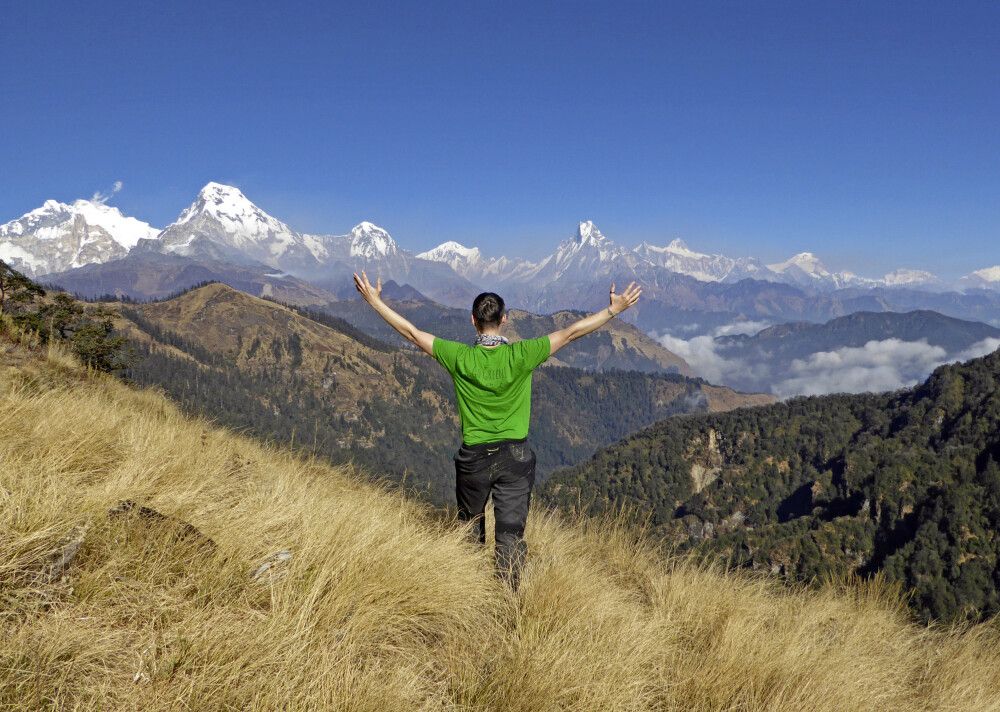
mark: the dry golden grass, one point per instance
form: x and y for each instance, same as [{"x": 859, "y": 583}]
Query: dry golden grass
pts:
[{"x": 383, "y": 605}]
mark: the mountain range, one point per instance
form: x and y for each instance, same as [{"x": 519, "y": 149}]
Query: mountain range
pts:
[
  {"x": 804, "y": 269},
  {"x": 91, "y": 248},
  {"x": 224, "y": 223}
]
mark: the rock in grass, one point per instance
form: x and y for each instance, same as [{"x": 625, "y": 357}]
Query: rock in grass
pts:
[
  {"x": 181, "y": 529},
  {"x": 274, "y": 565}
]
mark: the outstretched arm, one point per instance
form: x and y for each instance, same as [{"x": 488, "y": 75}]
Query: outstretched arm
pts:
[
  {"x": 373, "y": 295},
  {"x": 619, "y": 303}
]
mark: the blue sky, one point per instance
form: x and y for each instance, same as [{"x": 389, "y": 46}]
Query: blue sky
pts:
[{"x": 865, "y": 132}]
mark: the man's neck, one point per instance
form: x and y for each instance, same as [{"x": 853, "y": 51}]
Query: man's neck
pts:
[{"x": 490, "y": 339}]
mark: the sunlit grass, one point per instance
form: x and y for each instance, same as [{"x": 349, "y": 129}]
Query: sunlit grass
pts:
[{"x": 384, "y": 606}]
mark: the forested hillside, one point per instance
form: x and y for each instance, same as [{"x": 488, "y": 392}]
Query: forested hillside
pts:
[
  {"x": 330, "y": 389},
  {"x": 907, "y": 484}
]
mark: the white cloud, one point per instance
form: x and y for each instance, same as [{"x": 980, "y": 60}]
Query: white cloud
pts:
[
  {"x": 99, "y": 197},
  {"x": 691, "y": 328},
  {"x": 877, "y": 366},
  {"x": 701, "y": 352},
  {"x": 741, "y": 327},
  {"x": 980, "y": 348}
]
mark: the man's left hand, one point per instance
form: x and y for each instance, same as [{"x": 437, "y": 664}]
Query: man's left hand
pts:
[{"x": 370, "y": 294}]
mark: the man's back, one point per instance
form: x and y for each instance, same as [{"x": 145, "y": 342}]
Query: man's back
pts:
[{"x": 492, "y": 386}]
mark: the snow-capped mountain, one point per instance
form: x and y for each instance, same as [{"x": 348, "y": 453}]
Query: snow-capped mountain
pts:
[
  {"x": 462, "y": 259},
  {"x": 986, "y": 278},
  {"x": 586, "y": 255},
  {"x": 222, "y": 223},
  {"x": 678, "y": 257},
  {"x": 472, "y": 264},
  {"x": 589, "y": 253},
  {"x": 912, "y": 278},
  {"x": 59, "y": 236},
  {"x": 806, "y": 270},
  {"x": 370, "y": 247},
  {"x": 370, "y": 242}
]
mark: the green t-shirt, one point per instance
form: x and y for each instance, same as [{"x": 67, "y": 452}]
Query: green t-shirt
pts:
[{"x": 492, "y": 386}]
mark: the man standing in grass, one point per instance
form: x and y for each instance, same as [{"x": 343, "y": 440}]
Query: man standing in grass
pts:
[{"x": 493, "y": 389}]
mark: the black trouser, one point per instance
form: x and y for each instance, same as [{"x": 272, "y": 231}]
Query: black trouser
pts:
[{"x": 506, "y": 470}]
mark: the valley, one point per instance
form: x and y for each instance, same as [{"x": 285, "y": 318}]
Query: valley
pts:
[{"x": 333, "y": 390}]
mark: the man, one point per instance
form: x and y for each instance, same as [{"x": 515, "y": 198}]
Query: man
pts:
[{"x": 493, "y": 389}]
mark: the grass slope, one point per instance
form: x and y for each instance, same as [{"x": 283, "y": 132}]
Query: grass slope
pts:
[{"x": 383, "y": 606}]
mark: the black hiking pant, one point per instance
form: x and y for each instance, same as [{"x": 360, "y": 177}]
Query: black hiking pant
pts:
[{"x": 504, "y": 470}]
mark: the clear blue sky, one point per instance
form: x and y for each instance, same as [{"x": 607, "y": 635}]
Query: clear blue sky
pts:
[{"x": 867, "y": 132}]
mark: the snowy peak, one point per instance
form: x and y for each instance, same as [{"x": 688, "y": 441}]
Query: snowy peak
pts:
[
  {"x": 236, "y": 215},
  {"x": 59, "y": 236},
  {"x": 473, "y": 265},
  {"x": 806, "y": 262},
  {"x": 986, "y": 278},
  {"x": 586, "y": 255},
  {"x": 588, "y": 240},
  {"x": 588, "y": 234},
  {"x": 678, "y": 257},
  {"x": 988, "y": 274},
  {"x": 452, "y": 252},
  {"x": 123, "y": 230},
  {"x": 910, "y": 278},
  {"x": 369, "y": 241},
  {"x": 588, "y": 243},
  {"x": 676, "y": 246},
  {"x": 222, "y": 223},
  {"x": 805, "y": 269}
]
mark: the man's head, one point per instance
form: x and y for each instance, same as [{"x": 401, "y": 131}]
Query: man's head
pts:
[{"x": 488, "y": 312}]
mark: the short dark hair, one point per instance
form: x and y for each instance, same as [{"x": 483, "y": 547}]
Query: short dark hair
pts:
[{"x": 487, "y": 310}]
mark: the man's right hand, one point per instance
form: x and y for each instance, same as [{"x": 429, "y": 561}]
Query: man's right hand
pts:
[
  {"x": 371, "y": 294},
  {"x": 621, "y": 302}
]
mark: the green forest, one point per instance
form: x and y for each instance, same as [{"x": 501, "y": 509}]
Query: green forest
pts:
[
  {"x": 905, "y": 484},
  {"x": 88, "y": 331}
]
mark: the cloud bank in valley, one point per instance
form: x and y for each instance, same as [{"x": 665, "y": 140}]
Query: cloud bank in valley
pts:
[
  {"x": 877, "y": 366},
  {"x": 702, "y": 353},
  {"x": 884, "y": 365}
]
